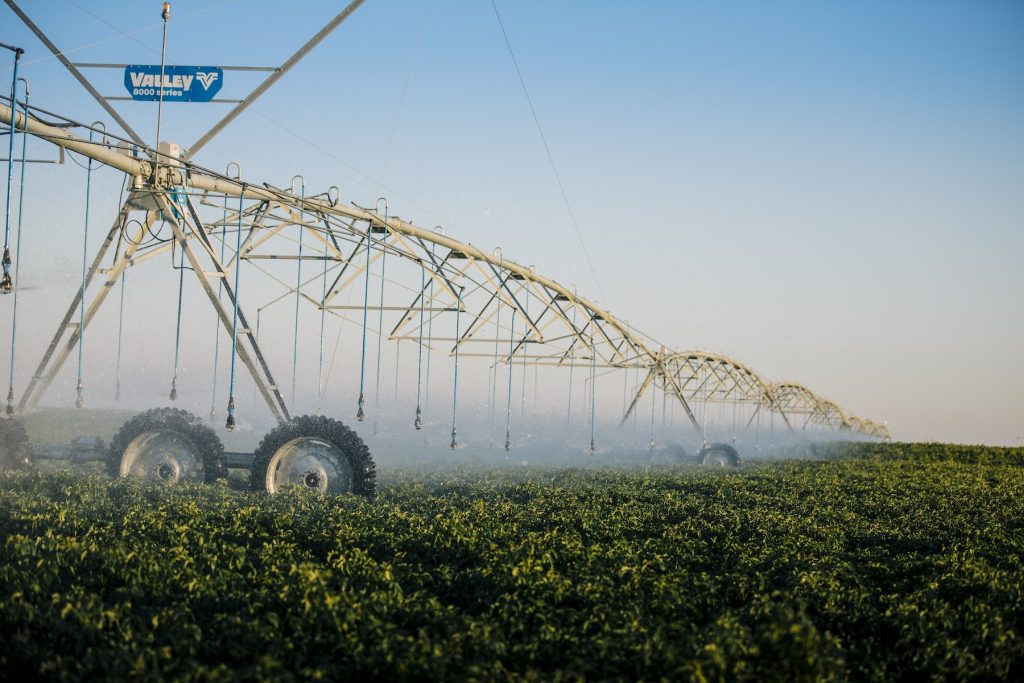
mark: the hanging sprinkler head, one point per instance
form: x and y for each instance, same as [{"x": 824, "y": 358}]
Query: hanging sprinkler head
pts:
[
  {"x": 508, "y": 441},
  {"x": 229, "y": 424},
  {"x": 418, "y": 423},
  {"x": 10, "y": 402},
  {"x": 592, "y": 447},
  {"x": 454, "y": 444},
  {"x": 79, "y": 399},
  {"x": 360, "y": 415},
  {"x": 6, "y": 284},
  {"x": 174, "y": 388}
]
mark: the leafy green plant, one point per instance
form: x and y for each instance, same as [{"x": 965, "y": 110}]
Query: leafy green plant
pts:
[{"x": 887, "y": 562}]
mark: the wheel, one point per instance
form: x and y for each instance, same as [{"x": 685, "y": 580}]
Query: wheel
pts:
[
  {"x": 166, "y": 445},
  {"x": 719, "y": 455},
  {"x": 669, "y": 454},
  {"x": 317, "y": 453},
  {"x": 678, "y": 453},
  {"x": 14, "y": 452}
]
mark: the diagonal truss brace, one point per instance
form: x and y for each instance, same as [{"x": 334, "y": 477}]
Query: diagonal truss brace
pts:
[
  {"x": 671, "y": 386},
  {"x": 186, "y": 232},
  {"x": 261, "y": 374},
  {"x": 49, "y": 365},
  {"x": 76, "y": 73}
]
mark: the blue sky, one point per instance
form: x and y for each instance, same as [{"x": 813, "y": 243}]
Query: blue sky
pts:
[{"x": 830, "y": 192}]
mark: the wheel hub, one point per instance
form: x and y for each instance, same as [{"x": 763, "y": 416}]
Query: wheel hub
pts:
[
  {"x": 166, "y": 471},
  {"x": 162, "y": 456},
  {"x": 310, "y": 463}
]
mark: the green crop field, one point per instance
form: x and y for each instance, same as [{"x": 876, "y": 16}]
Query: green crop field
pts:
[{"x": 884, "y": 562}]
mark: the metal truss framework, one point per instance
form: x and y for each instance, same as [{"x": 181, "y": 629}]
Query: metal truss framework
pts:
[{"x": 476, "y": 303}]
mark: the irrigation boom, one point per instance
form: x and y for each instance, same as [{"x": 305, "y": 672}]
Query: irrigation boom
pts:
[{"x": 477, "y": 303}]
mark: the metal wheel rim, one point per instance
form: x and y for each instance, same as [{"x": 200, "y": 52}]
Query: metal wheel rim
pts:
[
  {"x": 162, "y": 456},
  {"x": 309, "y": 463}
]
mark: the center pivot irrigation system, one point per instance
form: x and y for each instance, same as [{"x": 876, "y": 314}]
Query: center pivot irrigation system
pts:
[{"x": 384, "y": 278}]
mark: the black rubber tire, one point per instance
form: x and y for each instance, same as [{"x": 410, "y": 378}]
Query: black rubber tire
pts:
[
  {"x": 364, "y": 473},
  {"x": 721, "y": 454},
  {"x": 669, "y": 454},
  {"x": 183, "y": 423},
  {"x": 679, "y": 454},
  {"x": 14, "y": 448}
]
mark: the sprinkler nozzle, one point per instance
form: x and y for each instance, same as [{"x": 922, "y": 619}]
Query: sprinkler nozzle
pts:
[{"x": 6, "y": 284}]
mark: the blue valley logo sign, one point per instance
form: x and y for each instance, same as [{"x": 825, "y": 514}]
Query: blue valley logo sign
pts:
[{"x": 179, "y": 83}]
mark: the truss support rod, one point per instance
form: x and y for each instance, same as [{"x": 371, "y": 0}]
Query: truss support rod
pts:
[
  {"x": 76, "y": 73},
  {"x": 273, "y": 78},
  {"x": 515, "y": 301},
  {"x": 198, "y": 181},
  {"x": 46, "y": 371},
  {"x": 265, "y": 383},
  {"x": 785, "y": 418},
  {"x": 202, "y": 234},
  {"x": 419, "y": 304},
  {"x": 648, "y": 380},
  {"x": 676, "y": 391},
  {"x": 686, "y": 406}
]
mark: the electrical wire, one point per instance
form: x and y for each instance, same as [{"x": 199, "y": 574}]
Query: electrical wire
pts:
[
  {"x": 401, "y": 99},
  {"x": 547, "y": 150},
  {"x": 124, "y": 34}
]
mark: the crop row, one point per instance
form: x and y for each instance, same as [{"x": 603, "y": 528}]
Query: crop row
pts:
[{"x": 891, "y": 562}]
